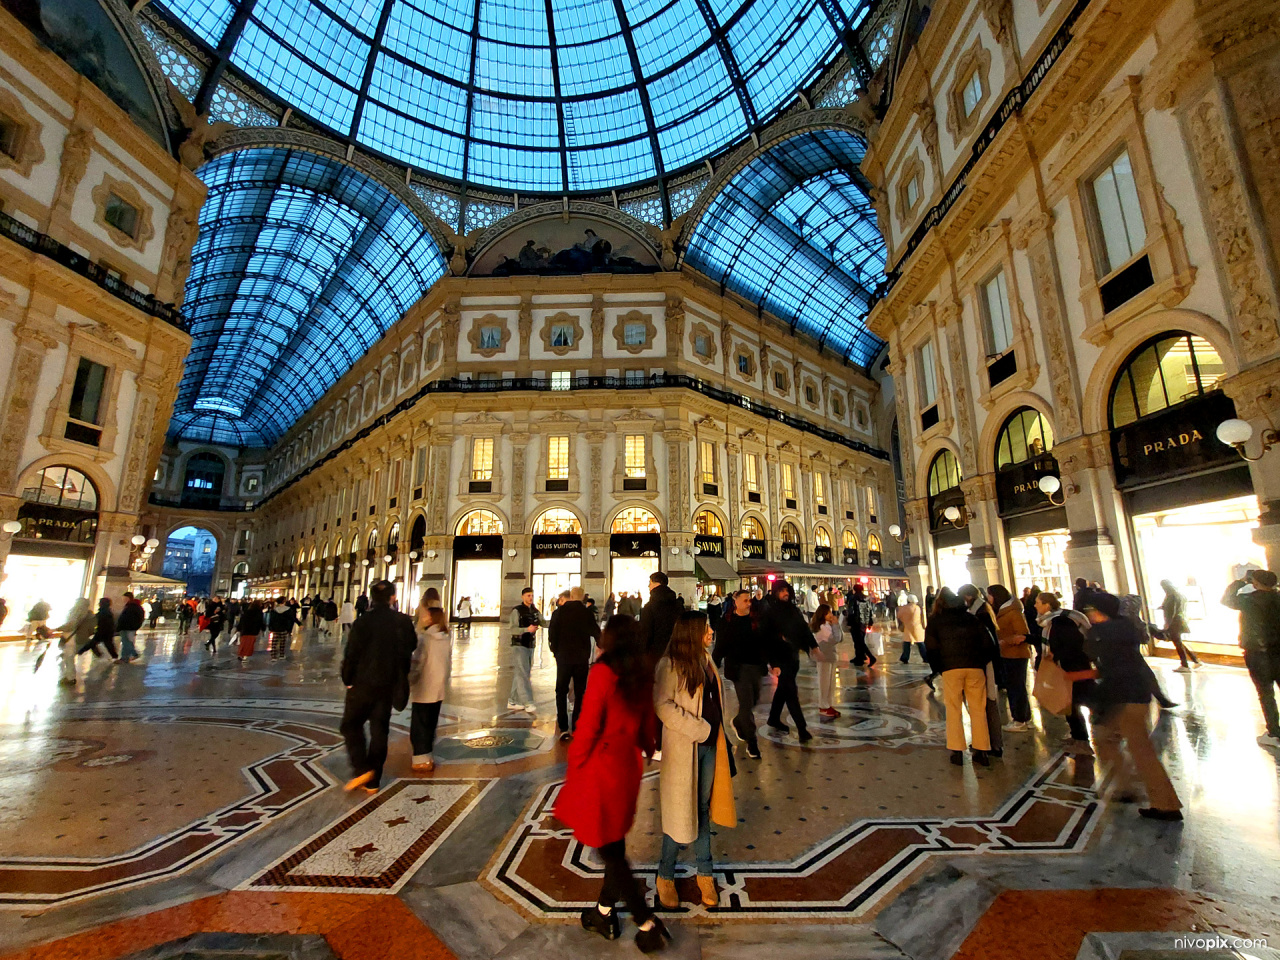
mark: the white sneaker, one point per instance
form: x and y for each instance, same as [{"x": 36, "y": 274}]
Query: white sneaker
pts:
[
  {"x": 1016, "y": 727},
  {"x": 1181, "y": 669},
  {"x": 530, "y": 708},
  {"x": 514, "y": 706},
  {"x": 1196, "y": 664},
  {"x": 1266, "y": 740},
  {"x": 1068, "y": 739}
]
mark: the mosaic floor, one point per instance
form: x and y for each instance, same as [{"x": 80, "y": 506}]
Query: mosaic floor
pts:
[{"x": 190, "y": 806}]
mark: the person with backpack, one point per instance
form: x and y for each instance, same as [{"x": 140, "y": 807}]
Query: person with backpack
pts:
[
  {"x": 1064, "y": 631},
  {"x": 1260, "y": 639}
]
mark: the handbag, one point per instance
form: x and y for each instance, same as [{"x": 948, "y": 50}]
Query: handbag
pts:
[
  {"x": 1053, "y": 688},
  {"x": 875, "y": 642}
]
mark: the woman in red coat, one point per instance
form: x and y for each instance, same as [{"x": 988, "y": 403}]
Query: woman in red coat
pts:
[{"x": 606, "y": 761}]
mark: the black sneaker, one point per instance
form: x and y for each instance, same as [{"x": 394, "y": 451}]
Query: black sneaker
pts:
[
  {"x": 957, "y": 757},
  {"x": 753, "y": 751},
  {"x": 980, "y": 758},
  {"x": 779, "y": 726},
  {"x": 805, "y": 736}
]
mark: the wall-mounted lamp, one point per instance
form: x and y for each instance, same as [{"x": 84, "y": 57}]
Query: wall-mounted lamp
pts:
[
  {"x": 364, "y": 562},
  {"x": 511, "y": 552},
  {"x": 697, "y": 551},
  {"x": 592, "y": 552},
  {"x": 346, "y": 564},
  {"x": 895, "y": 533},
  {"x": 431, "y": 554},
  {"x": 11, "y": 527},
  {"x": 137, "y": 539},
  {"x": 1050, "y": 485},
  {"x": 413, "y": 554},
  {"x": 1236, "y": 433},
  {"x": 386, "y": 558},
  {"x": 329, "y": 568},
  {"x": 954, "y": 515},
  {"x": 675, "y": 551}
]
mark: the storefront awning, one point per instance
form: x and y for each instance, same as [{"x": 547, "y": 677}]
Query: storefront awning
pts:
[
  {"x": 715, "y": 568},
  {"x": 826, "y": 571},
  {"x": 141, "y": 578}
]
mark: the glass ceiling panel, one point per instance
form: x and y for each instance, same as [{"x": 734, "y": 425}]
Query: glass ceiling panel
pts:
[
  {"x": 445, "y": 72},
  {"x": 301, "y": 265},
  {"x": 794, "y": 232}
]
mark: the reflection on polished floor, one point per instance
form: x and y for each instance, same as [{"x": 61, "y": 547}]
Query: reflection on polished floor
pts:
[{"x": 189, "y": 806}]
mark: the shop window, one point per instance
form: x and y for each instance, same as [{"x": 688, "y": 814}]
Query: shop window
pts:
[
  {"x": 752, "y": 529},
  {"x": 751, "y": 476},
  {"x": 1026, "y": 435},
  {"x": 84, "y": 415},
  {"x": 820, "y": 492},
  {"x": 850, "y": 540},
  {"x": 635, "y": 470},
  {"x": 707, "y": 467},
  {"x": 481, "y": 465},
  {"x": 873, "y": 543},
  {"x": 707, "y": 524},
  {"x": 61, "y": 487},
  {"x": 1163, "y": 372},
  {"x": 1116, "y": 214},
  {"x": 635, "y": 520},
  {"x": 557, "y": 522},
  {"x": 789, "y": 486},
  {"x": 561, "y": 380},
  {"x": 480, "y": 523},
  {"x": 121, "y": 214},
  {"x": 821, "y": 538},
  {"x": 944, "y": 473},
  {"x": 557, "y": 464}
]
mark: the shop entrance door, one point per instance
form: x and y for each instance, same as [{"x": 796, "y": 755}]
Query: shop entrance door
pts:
[
  {"x": 953, "y": 566},
  {"x": 551, "y": 577},
  {"x": 1039, "y": 560},
  {"x": 58, "y": 581}
]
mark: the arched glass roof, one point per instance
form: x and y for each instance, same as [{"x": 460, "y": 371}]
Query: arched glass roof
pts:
[
  {"x": 531, "y": 95},
  {"x": 795, "y": 233},
  {"x": 301, "y": 265}
]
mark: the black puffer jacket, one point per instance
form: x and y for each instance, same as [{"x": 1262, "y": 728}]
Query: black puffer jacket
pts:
[
  {"x": 658, "y": 618},
  {"x": 957, "y": 640},
  {"x": 785, "y": 625},
  {"x": 569, "y": 636},
  {"x": 739, "y": 640}
]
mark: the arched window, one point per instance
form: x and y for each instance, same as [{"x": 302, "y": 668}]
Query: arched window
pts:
[
  {"x": 636, "y": 520},
  {"x": 62, "y": 487},
  {"x": 708, "y": 524},
  {"x": 480, "y": 523},
  {"x": 752, "y": 529},
  {"x": 944, "y": 473},
  {"x": 790, "y": 533},
  {"x": 372, "y": 545},
  {"x": 202, "y": 484},
  {"x": 821, "y": 538},
  {"x": 850, "y": 540},
  {"x": 1025, "y": 436},
  {"x": 873, "y": 543},
  {"x": 393, "y": 539},
  {"x": 1165, "y": 371},
  {"x": 557, "y": 521}
]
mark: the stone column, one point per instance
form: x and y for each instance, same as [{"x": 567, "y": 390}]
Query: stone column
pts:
[
  {"x": 519, "y": 447},
  {"x": 919, "y": 573},
  {"x": 111, "y": 556},
  {"x": 1094, "y": 514},
  {"x": 679, "y": 565},
  {"x": 984, "y": 563},
  {"x": 517, "y": 571},
  {"x": 733, "y": 531},
  {"x": 771, "y": 468},
  {"x": 595, "y": 569},
  {"x": 595, "y": 481},
  {"x": 1258, "y": 402}
]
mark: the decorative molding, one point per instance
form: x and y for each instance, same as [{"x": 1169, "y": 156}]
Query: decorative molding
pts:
[
  {"x": 700, "y": 329},
  {"x": 27, "y": 148},
  {"x": 144, "y": 229},
  {"x": 976, "y": 58},
  {"x": 620, "y": 328},
  {"x": 562, "y": 318},
  {"x": 489, "y": 320}
]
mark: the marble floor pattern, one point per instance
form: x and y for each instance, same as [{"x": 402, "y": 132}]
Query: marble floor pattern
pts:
[{"x": 189, "y": 805}]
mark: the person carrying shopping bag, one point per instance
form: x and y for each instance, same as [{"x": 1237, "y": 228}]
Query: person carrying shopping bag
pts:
[
  {"x": 428, "y": 681},
  {"x": 694, "y": 785},
  {"x": 251, "y": 624}
]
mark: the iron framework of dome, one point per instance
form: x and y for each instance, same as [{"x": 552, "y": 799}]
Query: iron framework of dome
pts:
[
  {"x": 529, "y": 96},
  {"x": 302, "y": 264}
]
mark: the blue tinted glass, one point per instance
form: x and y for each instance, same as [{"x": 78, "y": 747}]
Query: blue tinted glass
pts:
[
  {"x": 794, "y": 232},
  {"x": 301, "y": 265}
]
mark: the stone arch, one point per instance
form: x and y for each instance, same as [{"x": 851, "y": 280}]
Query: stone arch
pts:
[
  {"x": 1137, "y": 331},
  {"x": 630, "y": 505},
  {"x": 556, "y": 505},
  {"x": 755, "y": 515},
  {"x": 931, "y": 450},
  {"x": 713, "y": 509},
  {"x": 462, "y": 513},
  {"x": 999, "y": 414},
  {"x": 106, "y": 488}
]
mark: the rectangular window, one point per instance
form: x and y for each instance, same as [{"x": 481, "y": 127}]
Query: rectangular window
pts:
[
  {"x": 999, "y": 319},
  {"x": 751, "y": 473},
  {"x": 86, "y": 393},
  {"x": 1118, "y": 214},
  {"x": 375, "y": 492},
  {"x": 342, "y": 507},
  {"x": 707, "y": 461},
  {"x": 490, "y": 338},
  {"x": 557, "y": 458},
  {"x": 635, "y": 457},
  {"x": 871, "y": 504},
  {"x": 928, "y": 375},
  {"x": 433, "y": 352},
  {"x": 121, "y": 214},
  {"x": 393, "y": 497},
  {"x": 780, "y": 381},
  {"x": 561, "y": 379},
  {"x": 744, "y": 365},
  {"x": 810, "y": 394},
  {"x": 788, "y": 482},
  {"x": 419, "y": 471},
  {"x": 702, "y": 345},
  {"x": 355, "y": 500},
  {"x": 913, "y": 191},
  {"x": 819, "y": 490},
  {"x": 482, "y": 458},
  {"x": 635, "y": 334},
  {"x": 561, "y": 335},
  {"x": 972, "y": 93},
  {"x": 632, "y": 377},
  {"x": 10, "y": 134}
]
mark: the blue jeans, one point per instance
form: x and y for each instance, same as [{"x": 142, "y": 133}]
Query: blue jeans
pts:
[
  {"x": 521, "y": 684},
  {"x": 702, "y": 845},
  {"x": 127, "y": 650}
]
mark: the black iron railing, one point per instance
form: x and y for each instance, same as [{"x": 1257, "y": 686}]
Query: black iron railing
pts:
[
  {"x": 212, "y": 508},
  {"x": 45, "y": 245},
  {"x": 542, "y": 384},
  {"x": 1014, "y": 101}
]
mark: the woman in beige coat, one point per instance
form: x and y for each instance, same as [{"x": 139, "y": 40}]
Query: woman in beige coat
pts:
[
  {"x": 912, "y": 628},
  {"x": 695, "y": 788}
]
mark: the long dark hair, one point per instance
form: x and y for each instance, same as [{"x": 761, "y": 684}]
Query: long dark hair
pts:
[
  {"x": 999, "y": 595},
  {"x": 945, "y": 599},
  {"x": 622, "y": 651},
  {"x": 819, "y": 617},
  {"x": 686, "y": 650}
]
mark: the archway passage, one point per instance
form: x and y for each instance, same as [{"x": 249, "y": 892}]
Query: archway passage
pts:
[
  {"x": 191, "y": 555},
  {"x": 50, "y": 558}
]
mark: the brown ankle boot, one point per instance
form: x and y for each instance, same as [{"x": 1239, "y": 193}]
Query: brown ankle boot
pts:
[
  {"x": 667, "y": 895},
  {"x": 710, "y": 898}
]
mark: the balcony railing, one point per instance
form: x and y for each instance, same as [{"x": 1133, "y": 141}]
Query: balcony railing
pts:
[
  {"x": 542, "y": 384},
  {"x": 46, "y": 246}
]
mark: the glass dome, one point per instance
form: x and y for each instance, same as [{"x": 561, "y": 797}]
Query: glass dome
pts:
[{"x": 533, "y": 96}]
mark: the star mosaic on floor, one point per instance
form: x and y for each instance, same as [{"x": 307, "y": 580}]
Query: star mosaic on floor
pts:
[{"x": 549, "y": 874}]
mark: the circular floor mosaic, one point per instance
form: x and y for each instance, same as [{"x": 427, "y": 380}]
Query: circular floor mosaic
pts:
[{"x": 862, "y": 724}]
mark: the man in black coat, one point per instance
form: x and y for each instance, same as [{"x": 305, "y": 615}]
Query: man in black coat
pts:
[
  {"x": 658, "y": 616},
  {"x": 573, "y": 627},
  {"x": 787, "y": 633},
  {"x": 375, "y": 669}
]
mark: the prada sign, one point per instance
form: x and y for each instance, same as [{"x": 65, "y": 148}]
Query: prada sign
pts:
[
  {"x": 549, "y": 546},
  {"x": 709, "y": 546},
  {"x": 477, "y": 548},
  {"x": 1016, "y": 487},
  {"x": 753, "y": 549},
  {"x": 635, "y": 544},
  {"x": 1173, "y": 442},
  {"x": 40, "y": 521}
]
